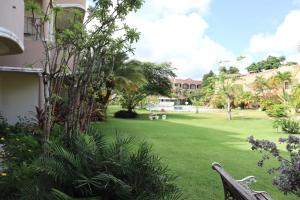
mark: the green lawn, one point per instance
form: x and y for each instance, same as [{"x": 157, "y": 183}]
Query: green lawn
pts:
[{"x": 189, "y": 143}]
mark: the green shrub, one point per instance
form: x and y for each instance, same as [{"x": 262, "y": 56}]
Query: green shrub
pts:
[
  {"x": 20, "y": 146},
  {"x": 276, "y": 110},
  {"x": 290, "y": 126},
  {"x": 125, "y": 114},
  {"x": 89, "y": 168},
  {"x": 218, "y": 101},
  {"x": 92, "y": 168}
]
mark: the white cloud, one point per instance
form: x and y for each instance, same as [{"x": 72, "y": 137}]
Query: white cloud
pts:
[
  {"x": 174, "y": 31},
  {"x": 284, "y": 41}
]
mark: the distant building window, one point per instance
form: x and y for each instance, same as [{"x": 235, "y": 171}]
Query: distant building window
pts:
[
  {"x": 185, "y": 86},
  {"x": 193, "y": 87},
  {"x": 198, "y": 86}
]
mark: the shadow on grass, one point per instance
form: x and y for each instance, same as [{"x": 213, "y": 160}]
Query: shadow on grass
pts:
[
  {"x": 246, "y": 118},
  {"x": 189, "y": 150}
]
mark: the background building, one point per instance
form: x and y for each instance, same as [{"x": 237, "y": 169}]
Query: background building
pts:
[
  {"x": 22, "y": 52},
  {"x": 185, "y": 84},
  {"x": 247, "y": 81}
]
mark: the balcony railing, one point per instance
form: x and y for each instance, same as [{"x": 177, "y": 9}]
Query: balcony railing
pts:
[{"x": 33, "y": 28}]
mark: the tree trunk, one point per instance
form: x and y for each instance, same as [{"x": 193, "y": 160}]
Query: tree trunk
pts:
[
  {"x": 284, "y": 96},
  {"x": 229, "y": 109}
]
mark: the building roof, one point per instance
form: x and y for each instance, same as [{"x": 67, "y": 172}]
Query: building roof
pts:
[
  {"x": 21, "y": 70},
  {"x": 186, "y": 81}
]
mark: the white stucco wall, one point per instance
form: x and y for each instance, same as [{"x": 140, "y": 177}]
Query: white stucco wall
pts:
[{"x": 19, "y": 94}]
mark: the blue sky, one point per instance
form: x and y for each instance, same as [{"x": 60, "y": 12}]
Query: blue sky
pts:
[
  {"x": 194, "y": 35},
  {"x": 233, "y": 22}
]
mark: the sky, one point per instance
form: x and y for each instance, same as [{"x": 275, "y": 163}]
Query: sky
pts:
[{"x": 195, "y": 35}]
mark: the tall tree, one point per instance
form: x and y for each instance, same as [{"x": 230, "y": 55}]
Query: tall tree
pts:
[
  {"x": 157, "y": 82},
  {"x": 283, "y": 78},
  {"x": 270, "y": 63},
  {"x": 75, "y": 60},
  {"x": 205, "y": 78},
  {"x": 119, "y": 74},
  {"x": 229, "y": 89},
  {"x": 260, "y": 86}
]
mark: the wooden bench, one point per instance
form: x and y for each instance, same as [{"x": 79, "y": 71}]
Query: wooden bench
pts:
[
  {"x": 153, "y": 117},
  {"x": 239, "y": 189}
]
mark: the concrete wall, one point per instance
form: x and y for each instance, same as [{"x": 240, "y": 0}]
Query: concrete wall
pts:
[
  {"x": 19, "y": 94},
  {"x": 11, "y": 26},
  {"x": 32, "y": 56}
]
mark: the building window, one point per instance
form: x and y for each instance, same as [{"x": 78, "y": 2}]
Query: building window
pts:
[
  {"x": 32, "y": 27},
  {"x": 198, "y": 86},
  {"x": 193, "y": 87},
  {"x": 185, "y": 86}
]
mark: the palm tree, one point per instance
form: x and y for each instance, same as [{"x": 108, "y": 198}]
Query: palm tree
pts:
[
  {"x": 118, "y": 74},
  {"x": 282, "y": 78},
  {"x": 260, "y": 86},
  {"x": 94, "y": 169},
  {"x": 228, "y": 89}
]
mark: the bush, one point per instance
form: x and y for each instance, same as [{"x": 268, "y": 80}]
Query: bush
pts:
[
  {"x": 276, "y": 110},
  {"x": 20, "y": 146},
  {"x": 218, "y": 101},
  {"x": 93, "y": 168},
  {"x": 88, "y": 168},
  {"x": 290, "y": 126},
  {"x": 287, "y": 177},
  {"x": 126, "y": 114}
]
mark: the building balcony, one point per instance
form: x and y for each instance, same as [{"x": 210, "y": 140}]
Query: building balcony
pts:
[
  {"x": 69, "y": 13},
  {"x": 72, "y": 4},
  {"x": 33, "y": 48},
  {"x": 31, "y": 57},
  {"x": 11, "y": 27}
]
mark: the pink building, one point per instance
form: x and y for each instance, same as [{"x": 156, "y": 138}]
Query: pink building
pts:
[{"x": 21, "y": 52}]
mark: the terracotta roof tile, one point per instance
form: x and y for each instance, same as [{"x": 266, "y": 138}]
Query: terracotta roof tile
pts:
[{"x": 187, "y": 81}]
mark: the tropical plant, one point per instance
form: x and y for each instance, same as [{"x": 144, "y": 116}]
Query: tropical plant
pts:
[
  {"x": 276, "y": 110},
  {"x": 290, "y": 126},
  {"x": 208, "y": 86},
  {"x": 118, "y": 74},
  {"x": 92, "y": 51},
  {"x": 157, "y": 82},
  {"x": 218, "y": 101},
  {"x": 229, "y": 89},
  {"x": 243, "y": 99},
  {"x": 97, "y": 170},
  {"x": 260, "y": 86},
  {"x": 282, "y": 78},
  {"x": 287, "y": 177}
]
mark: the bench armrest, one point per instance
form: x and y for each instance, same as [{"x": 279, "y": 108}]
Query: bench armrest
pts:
[{"x": 246, "y": 182}]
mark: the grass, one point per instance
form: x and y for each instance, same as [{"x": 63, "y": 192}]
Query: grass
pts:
[{"x": 188, "y": 143}]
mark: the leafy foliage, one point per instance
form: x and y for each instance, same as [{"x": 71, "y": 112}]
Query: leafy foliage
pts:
[
  {"x": 93, "y": 168},
  {"x": 157, "y": 82},
  {"x": 287, "y": 178},
  {"x": 276, "y": 110},
  {"x": 270, "y": 63},
  {"x": 125, "y": 114},
  {"x": 230, "y": 70},
  {"x": 290, "y": 126},
  {"x": 20, "y": 145},
  {"x": 228, "y": 88}
]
